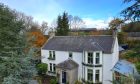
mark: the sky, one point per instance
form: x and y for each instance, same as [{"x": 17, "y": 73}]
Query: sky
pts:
[{"x": 95, "y": 13}]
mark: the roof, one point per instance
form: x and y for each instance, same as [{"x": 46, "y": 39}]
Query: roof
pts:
[
  {"x": 125, "y": 68},
  {"x": 134, "y": 34},
  {"x": 121, "y": 49},
  {"x": 67, "y": 64},
  {"x": 80, "y": 43}
]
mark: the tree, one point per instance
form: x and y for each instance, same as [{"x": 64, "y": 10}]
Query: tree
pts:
[
  {"x": 62, "y": 25},
  {"x": 16, "y": 66},
  {"x": 132, "y": 12},
  {"x": 44, "y": 27},
  {"x": 75, "y": 22},
  {"x": 132, "y": 27},
  {"x": 39, "y": 38},
  {"x": 115, "y": 23}
]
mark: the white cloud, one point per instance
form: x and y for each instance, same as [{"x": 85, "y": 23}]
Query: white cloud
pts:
[
  {"x": 99, "y": 23},
  {"x": 49, "y": 12}
]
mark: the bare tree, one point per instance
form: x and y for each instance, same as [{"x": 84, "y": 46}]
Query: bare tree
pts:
[
  {"x": 44, "y": 27},
  {"x": 75, "y": 22}
]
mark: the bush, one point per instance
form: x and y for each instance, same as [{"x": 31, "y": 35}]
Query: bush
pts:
[
  {"x": 138, "y": 67},
  {"x": 42, "y": 68},
  {"x": 78, "y": 82},
  {"x": 53, "y": 81}
]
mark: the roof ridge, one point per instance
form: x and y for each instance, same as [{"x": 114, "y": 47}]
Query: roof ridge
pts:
[{"x": 83, "y": 36}]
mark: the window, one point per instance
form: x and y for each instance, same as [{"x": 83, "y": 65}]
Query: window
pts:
[
  {"x": 50, "y": 66},
  {"x": 90, "y": 58},
  {"x": 97, "y": 75},
  {"x": 70, "y": 54},
  {"x": 50, "y": 54},
  {"x": 90, "y": 74},
  {"x": 97, "y": 59},
  {"x": 54, "y": 68},
  {"x": 54, "y": 54}
]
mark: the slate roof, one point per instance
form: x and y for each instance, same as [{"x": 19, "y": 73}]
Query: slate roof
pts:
[
  {"x": 126, "y": 68},
  {"x": 134, "y": 34},
  {"x": 67, "y": 64},
  {"x": 80, "y": 43}
]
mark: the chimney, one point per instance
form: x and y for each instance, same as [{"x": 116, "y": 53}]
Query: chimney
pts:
[{"x": 114, "y": 32}]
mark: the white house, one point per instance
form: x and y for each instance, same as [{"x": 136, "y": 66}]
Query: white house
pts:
[{"x": 84, "y": 58}]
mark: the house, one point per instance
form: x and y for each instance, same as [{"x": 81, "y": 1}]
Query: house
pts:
[
  {"x": 125, "y": 72},
  {"x": 83, "y": 58},
  {"x": 133, "y": 36}
]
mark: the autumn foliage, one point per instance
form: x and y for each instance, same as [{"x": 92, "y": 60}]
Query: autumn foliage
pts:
[{"x": 37, "y": 38}]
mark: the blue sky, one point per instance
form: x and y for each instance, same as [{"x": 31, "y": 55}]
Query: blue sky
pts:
[{"x": 95, "y": 13}]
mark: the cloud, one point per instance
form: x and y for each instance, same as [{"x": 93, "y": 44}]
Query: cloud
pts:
[
  {"x": 49, "y": 11},
  {"x": 40, "y": 10},
  {"x": 98, "y": 23}
]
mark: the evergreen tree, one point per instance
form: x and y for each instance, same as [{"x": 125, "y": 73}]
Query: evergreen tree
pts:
[
  {"x": 62, "y": 25},
  {"x": 16, "y": 65}
]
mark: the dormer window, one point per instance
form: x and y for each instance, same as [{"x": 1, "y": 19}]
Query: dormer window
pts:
[
  {"x": 70, "y": 54},
  {"x": 90, "y": 57}
]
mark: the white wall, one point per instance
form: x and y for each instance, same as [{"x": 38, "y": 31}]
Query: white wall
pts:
[
  {"x": 109, "y": 60},
  {"x": 107, "y": 66},
  {"x": 61, "y": 56},
  {"x": 115, "y": 52}
]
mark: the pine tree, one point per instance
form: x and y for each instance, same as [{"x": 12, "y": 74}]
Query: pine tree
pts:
[{"x": 62, "y": 25}]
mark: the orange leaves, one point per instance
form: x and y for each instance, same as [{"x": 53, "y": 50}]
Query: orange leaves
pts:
[{"x": 38, "y": 39}]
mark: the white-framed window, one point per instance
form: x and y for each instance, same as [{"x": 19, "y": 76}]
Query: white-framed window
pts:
[
  {"x": 90, "y": 75},
  {"x": 97, "y": 58},
  {"x": 54, "y": 69},
  {"x": 51, "y": 55},
  {"x": 90, "y": 58},
  {"x": 50, "y": 66},
  {"x": 97, "y": 76}
]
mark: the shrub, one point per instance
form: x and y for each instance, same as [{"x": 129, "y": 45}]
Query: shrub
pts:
[
  {"x": 53, "y": 81},
  {"x": 42, "y": 68}
]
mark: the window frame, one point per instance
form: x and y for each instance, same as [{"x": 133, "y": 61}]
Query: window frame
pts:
[
  {"x": 54, "y": 68},
  {"x": 97, "y": 74},
  {"x": 90, "y": 57},
  {"x": 51, "y": 67},
  {"x": 53, "y": 54},
  {"x": 90, "y": 75},
  {"x": 97, "y": 58},
  {"x": 50, "y": 54}
]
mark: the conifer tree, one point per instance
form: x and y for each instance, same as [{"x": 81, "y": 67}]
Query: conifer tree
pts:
[
  {"x": 62, "y": 25},
  {"x": 16, "y": 58}
]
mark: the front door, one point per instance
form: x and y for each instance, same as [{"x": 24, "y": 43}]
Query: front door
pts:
[{"x": 63, "y": 77}]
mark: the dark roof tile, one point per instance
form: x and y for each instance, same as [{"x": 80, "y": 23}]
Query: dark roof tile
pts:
[{"x": 80, "y": 43}]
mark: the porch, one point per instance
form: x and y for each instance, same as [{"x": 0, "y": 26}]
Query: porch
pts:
[{"x": 67, "y": 72}]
